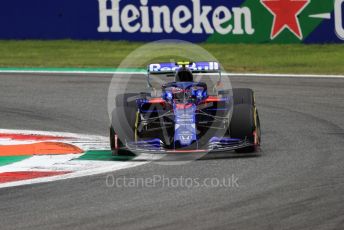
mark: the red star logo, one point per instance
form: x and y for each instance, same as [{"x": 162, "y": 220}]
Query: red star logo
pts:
[{"x": 285, "y": 14}]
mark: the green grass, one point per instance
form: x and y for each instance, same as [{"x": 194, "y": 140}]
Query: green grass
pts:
[{"x": 263, "y": 58}]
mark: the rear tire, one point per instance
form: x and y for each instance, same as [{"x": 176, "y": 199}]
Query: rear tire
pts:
[
  {"x": 127, "y": 100},
  {"x": 243, "y": 96}
]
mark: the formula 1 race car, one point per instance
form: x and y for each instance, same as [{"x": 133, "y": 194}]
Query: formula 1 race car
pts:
[{"x": 185, "y": 115}]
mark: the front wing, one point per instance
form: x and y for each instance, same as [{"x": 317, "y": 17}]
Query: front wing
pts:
[{"x": 156, "y": 146}]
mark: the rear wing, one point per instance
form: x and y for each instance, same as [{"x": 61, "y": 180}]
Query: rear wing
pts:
[
  {"x": 195, "y": 67},
  {"x": 170, "y": 68}
]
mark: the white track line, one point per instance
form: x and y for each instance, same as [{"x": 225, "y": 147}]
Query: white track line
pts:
[
  {"x": 139, "y": 73},
  {"x": 67, "y": 72},
  {"x": 40, "y": 163},
  {"x": 282, "y": 75}
]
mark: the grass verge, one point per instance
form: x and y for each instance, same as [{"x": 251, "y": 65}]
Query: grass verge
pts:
[{"x": 260, "y": 58}]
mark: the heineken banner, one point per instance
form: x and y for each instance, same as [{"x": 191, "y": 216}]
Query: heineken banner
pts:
[{"x": 215, "y": 21}]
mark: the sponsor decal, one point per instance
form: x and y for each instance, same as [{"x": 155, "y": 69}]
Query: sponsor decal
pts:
[
  {"x": 338, "y": 13},
  {"x": 285, "y": 15},
  {"x": 221, "y": 21},
  {"x": 172, "y": 67},
  {"x": 248, "y": 21},
  {"x": 197, "y": 20},
  {"x": 185, "y": 128}
]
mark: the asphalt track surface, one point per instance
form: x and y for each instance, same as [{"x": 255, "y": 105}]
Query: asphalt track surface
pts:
[{"x": 296, "y": 183}]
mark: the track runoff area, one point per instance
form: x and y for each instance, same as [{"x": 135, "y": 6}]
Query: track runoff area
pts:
[{"x": 29, "y": 157}]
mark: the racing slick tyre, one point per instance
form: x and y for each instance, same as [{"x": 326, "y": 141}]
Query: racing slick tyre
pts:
[
  {"x": 245, "y": 125},
  {"x": 123, "y": 120},
  {"x": 243, "y": 96}
]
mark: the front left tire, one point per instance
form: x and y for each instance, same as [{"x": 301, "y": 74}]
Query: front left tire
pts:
[{"x": 123, "y": 122}]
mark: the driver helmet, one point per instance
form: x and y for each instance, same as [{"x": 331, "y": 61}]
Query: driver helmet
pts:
[{"x": 184, "y": 75}]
